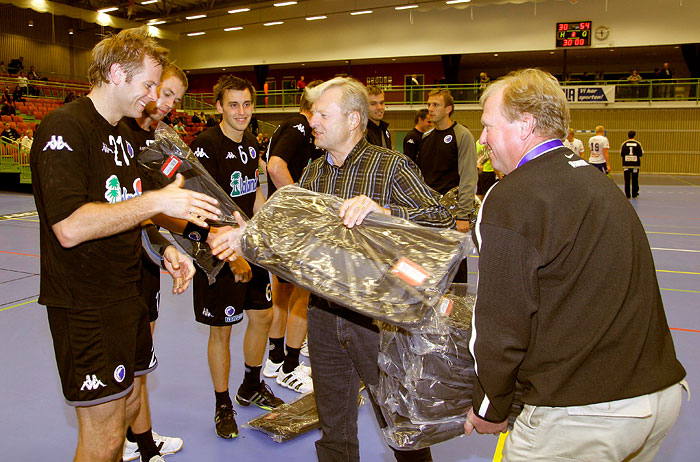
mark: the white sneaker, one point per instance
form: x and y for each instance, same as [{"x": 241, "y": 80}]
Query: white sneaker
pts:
[
  {"x": 305, "y": 368},
  {"x": 305, "y": 347},
  {"x": 167, "y": 444},
  {"x": 157, "y": 459},
  {"x": 272, "y": 369},
  {"x": 297, "y": 380},
  {"x": 131, "y": 451}
]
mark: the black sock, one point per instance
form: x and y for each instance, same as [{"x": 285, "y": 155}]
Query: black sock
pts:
[
  {"x": 251, "y": 378},
  {"x": 130, "y": 435},
  {"x": 222, "y": 397},
  {"x": 147, "y": 447},
  {"x": 276, "y": 354},
  {"x": 291, "y": 360}
]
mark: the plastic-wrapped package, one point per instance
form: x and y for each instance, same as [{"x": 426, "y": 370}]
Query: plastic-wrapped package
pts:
[
  {"x": 425, "y": 378},
  {"x": 159, "y": 163},
  {"x": 450, "y": 200},
  {"x": 387, "y": 268},
  {"x": 290, "y": 419}
]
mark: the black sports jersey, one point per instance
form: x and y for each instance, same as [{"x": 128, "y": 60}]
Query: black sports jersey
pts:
[
  {"x": 631, "y": 152},
  {"x": 379, "y": 135},
  {"x": 140, "y": 138},
  {"x": 233, "y": 165},
  {"x": 411, "y": 143},
  {"x": 447, "y": 158},
  {"x": 293, "y": 142},
  {"x": 78, "y": 157}
]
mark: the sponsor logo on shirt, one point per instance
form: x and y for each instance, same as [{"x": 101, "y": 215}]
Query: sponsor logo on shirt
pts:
[
  {"x": 91, "y": 383},
  {"x": 229, "y": 311},
  {"x": 56, "y": 143},
  {"x": 116, "y": 193},
  {"x": 240, "y": 186},
  {"x": 300, "y": 127},
  {"x": 199, "y": 152},
  {"x": 447, "y": 139},
  {"x": 119, "y": 373},
  {"x": 230, "y": 155},
  {"x": 231, "y": 315},
  {"x": 253, "y": 152}
]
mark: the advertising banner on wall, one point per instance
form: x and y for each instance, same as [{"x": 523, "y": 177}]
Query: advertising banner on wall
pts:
[{"x": 590, "y": 93}]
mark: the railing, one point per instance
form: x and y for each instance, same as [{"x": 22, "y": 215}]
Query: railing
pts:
[
  {"x": 417, "y": 95},
  {"x": 13, "y": 159}
]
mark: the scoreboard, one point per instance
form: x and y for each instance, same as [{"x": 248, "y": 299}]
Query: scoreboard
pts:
[{"x": 573, "y": 34}]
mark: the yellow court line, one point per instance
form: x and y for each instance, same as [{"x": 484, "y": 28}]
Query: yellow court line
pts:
[
  {"x": 678, "y": 272},
  {"x": 498, "y": 455},
  {"x": 21, "y": 219},
  {"x": 683, "y": 181},
  {"x": 19, "y": 304},
  {"x": 682, "y": 290},
  {"x": 673, "y": 234}
]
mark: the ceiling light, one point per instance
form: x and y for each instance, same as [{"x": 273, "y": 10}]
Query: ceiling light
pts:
[
  {"x": 154, "y": 22},
  {"x": 274, "y": 23},
  {"x": 316, "y": 18},
  {"x": 70, "y": 31},
  {"x": 193, "y": 34},
  {"x": 229, "y": 29},
  {"x": 452, "y": 2},
  {"x": 406, "y": 7},
  {"x": 107, "y": 10},
  {"x": 197, "y": 16},
  {"x": 355, "y": 13},
  {"x": 285, "y": 3},
  {"x": 31, "y": 23},
  {"x": 149, "y": 2},
  {"x": 239, "y": 10}
]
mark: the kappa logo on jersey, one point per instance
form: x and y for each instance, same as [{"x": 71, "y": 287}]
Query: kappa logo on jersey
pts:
[
  {"x": 206, "y": 313},
  {"x": 387, "y": 134},
  {"x": 116, "y": 193},
  {"x": 410, "y": 141},
  {"x": 299, "y": 127},
  {"x": 199, "y": 152},
  {"x": 56, "y": 143},
  {"x": 242, "y": 186},
  {"x": 120, "y": 373},
  {"x": 230, "y": 155},
  {"x": 447, "y": 139},
  {"x": 92, "y": 383},
  {"x": 578, "y": 163}
]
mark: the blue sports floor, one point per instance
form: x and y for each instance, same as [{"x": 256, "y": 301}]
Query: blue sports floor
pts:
[{"x": 36, "y": 424}]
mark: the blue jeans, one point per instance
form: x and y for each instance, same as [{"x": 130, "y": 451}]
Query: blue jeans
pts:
[{"x": 343, "y": 349}]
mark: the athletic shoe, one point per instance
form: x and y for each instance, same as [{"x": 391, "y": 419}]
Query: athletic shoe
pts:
[
  {"x": 225, "y": 421},
  {"x": 305, "y": 368},
  {"x": 157, "y": 459},
  {"x": 131, "y": 451},
  {"x": 305, "y": 347},
  {"x": 272, "y": 369},
  {"x": 297, "y": 380},
  {"x": 167, "y": 444},
  {"x": 262, "y": 397}
]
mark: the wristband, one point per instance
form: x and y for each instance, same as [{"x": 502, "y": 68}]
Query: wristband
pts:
[{"x": 195, "y": 233}]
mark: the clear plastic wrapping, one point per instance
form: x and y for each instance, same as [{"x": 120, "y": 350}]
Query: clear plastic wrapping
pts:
[
  {"x": 450, "y": 200},
  {"x": 159, "y": 163},
  {"x": 425, "y": 376},
  {"x": 387, "y": 268},
  {"x": 291, "y": 419}
]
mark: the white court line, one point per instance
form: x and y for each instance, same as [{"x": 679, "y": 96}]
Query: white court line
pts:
[{"x": 676, "y": 250}]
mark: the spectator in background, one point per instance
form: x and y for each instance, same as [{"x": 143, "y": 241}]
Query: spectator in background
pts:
[
  {"x": 3, "y": 67},
  {"x": 254, "y": 126},
  {"x": 211, "y": 121},
  {"x": 196, "y": 119},
  {"x": 25, "y": 143},
  {"x": 9, "y": 133},
  {"x": 484, "y": 80},
  {"x": 70, "y": 97},
  {"x": 301, "y": 84},
  {"x": 17, "y": 94},
  {"x": 15, "y": 66},
  {"x": 634, "y": 78},
  {"x": 32, "y": 74},
  {"x": 179, "y": 128},
  {"x": 8, "y": 108},
  {"x": 6, "y": 97},
  {"x": 23, "y": 83},
  {"x": 665, "y": 73},
  {"x": 411, "y": 141}
]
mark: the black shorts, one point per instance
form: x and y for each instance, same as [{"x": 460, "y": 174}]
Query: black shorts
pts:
[
  {"x": 602, "y": 167},
  {"x": 150, "y": 287},
  {"x": 223, "y": 303},
  {"x": 100, "y": 350},
  {"x": 486, "y": 180}
]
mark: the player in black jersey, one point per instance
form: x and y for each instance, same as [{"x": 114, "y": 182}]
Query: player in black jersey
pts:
[
  {"x": 229, "y": 153},
  {"x": 412, "y": 140},
  {"x": 290, "y": 150},
  {"x": 631, "y": 152},
  {"x": 377, "y": 130},
  {"x": 141, "y": 440},
  {"x": 90, "y": 239}
]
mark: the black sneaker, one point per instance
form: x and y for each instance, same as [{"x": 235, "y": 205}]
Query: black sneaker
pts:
[
  {"x": 225, "y": 421},
  {"x": 262, "y": 397}
]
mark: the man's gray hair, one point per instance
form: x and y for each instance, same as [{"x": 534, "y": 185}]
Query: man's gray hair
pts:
[
  {"x": 536, "y": 92},
  {"x": 354, "y": 99}
]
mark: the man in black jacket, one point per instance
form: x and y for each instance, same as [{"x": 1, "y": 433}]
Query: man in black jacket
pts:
[
  {"x": 568, "y": 304},
  {"x": 377, "y": 130}
]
